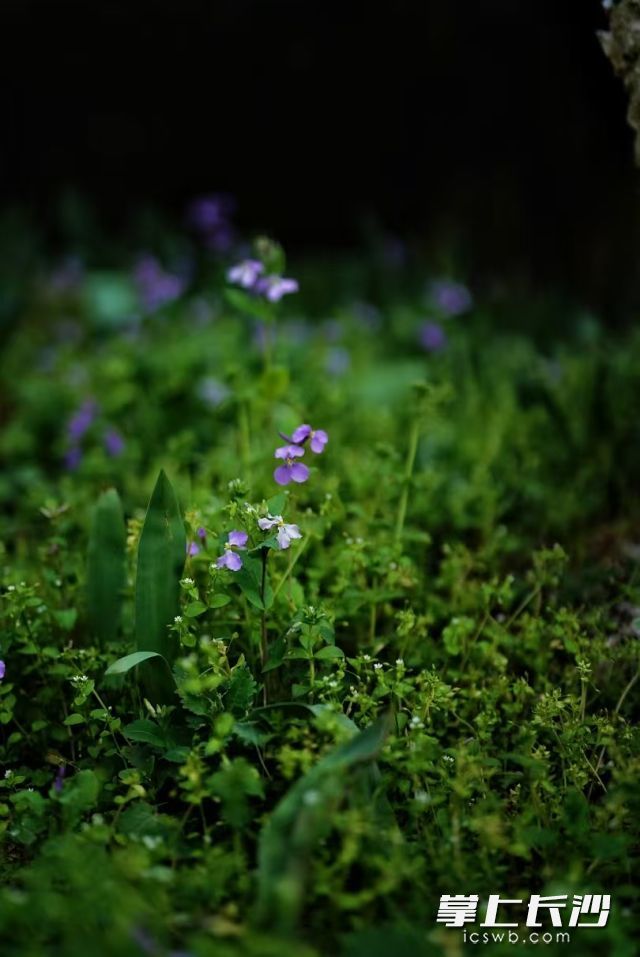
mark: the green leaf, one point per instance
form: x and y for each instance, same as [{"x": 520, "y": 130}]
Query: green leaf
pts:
[
  {"x": 277, "y": 503},
  {"x": 248, "y": 304},
  {"x": 219, "y": 601},
  {"x": 195, "y": 608},
  {"x": 330, "y": 651},
  {"x": 146, "y": 731},
  {"x": 122, "y": 665},
  {"x": 161, "y": 558},
  {"x": 73, "y": 719},
  {"x": 249, "y": 580},
  {"x": 106, "y": 566},
  {"x": 302, "y": 818},
  {"x": 241, "y": 691}
]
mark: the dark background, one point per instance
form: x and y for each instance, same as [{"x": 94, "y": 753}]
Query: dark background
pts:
[{"x": 494, "y": 128}]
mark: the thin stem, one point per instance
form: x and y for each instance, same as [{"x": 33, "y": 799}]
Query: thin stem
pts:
[
  {"x": 404, "y": 497},
  {"x": 264, "y": 645},
  {"x": 244, "y": 436}
]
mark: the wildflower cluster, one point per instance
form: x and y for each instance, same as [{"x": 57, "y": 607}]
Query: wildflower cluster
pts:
[{"x": 292, "y": 470}]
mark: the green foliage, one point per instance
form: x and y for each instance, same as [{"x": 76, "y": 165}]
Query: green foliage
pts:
[
  {"x": 106, "y": 567},
  {"x": 161, "y": 557},
  {"x": 468, "y": 567}
]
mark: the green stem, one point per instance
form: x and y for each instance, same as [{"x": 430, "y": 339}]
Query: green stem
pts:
[
  {"x": 411, "y": 458},
  {"x": 290, "y": 568},
  {"x": 264, "y": 645}
]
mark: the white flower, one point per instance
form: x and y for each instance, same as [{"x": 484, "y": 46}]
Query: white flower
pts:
[
  {"x": 286, "y": 533},
  {"x": 8, "y": 773},
  {"x": 400, "y": 662},
  {"x": 187, "y": 581},
  {"x": 366, "y": 657},
  {"x": 377, "y": 666},
  {"x": 178, "y": 619}
]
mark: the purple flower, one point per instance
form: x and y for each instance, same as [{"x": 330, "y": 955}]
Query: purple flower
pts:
[
  {"x": 156, "y": 287},
  {"x": 81, "y": 420},
  {"x": 3, "y": 669},
  {"x": 286, "y": 533},
  {"x": 201, "y": 532},
  {"x": 451, "y": 298},
  {"x": 275, "y": 287},
  {"x": 319, "y": 437},
  {"x": 432, "y": 337},
  {"x": 246, "y": 273},
  {"x": 57, "y": 784},
  {"x": 113, "y": 443},
  {"x": 73, "y": 458},
  {"x": 231, "y": 559},
  {"x": 291, "y": 471},
  {"x": 192, "y": 549}
]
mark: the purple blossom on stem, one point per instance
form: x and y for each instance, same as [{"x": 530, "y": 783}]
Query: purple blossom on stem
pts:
[
  {"x": 113, "y": 443},
  {"x": 318, "y": 437},
  {"x": 82, "y": 420},
  {"x": 231, "y": 559},
  {"x": 432, "y": 337},
  {"x": 201, "y": 532},
  {"x": 275, "y": 287},
  {"x": 451, "y": 298},
  {"x": 246, "y": 273},
  {"x": 193, "y": 549},
  {"x": 286, "y": 533},
  {"x": 291, "y": 471},
  {"x": 3, "y": 669}
]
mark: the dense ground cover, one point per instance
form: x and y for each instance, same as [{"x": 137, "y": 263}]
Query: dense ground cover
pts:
[{"x": 430, "y": 691}]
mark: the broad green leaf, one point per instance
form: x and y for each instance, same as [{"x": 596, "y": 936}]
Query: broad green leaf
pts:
[
  {"x": 106, "y": 566},
  {"x": 146, "y": 731},
  {"x": 122, "y": 665},
  {"x": 161, "y": 558},
  {"x": 330, "y": 651},
  {"x": 194, "y": 609},
  {"x": 300, "y": 821},
  {"x": 219, "y": 601}
]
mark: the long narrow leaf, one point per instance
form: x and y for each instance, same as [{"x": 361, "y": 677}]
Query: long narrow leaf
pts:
[
  {"x": 106, "y": 566},
  {"x": 161, "y": 558}
]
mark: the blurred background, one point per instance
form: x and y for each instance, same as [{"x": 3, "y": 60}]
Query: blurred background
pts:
[{"x": 495, "y": 131}]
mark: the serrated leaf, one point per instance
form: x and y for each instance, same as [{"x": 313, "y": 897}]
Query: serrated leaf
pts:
[
  {"x": 106, "y": 566},
  {"x": 161, "y": 558},
  {"x": 146, "y": 731}
]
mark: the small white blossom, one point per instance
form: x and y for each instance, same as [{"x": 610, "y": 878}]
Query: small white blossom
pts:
[
  {"x": 400, "y": 662},
  {"x": 8, "y": 773},
  {"x": 178, "y": 619},
  {"x": 377, "y": 666},
  {"x": 187, "y": 581}
]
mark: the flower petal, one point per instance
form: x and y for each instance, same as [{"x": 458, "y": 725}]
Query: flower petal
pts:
[
  {"x": 265, "y": 523},
  {"x": 299, "y": 472},
  {"x": 234, "y": 561},
  {"x": 282, "y": 474},
  {"x": 292, "y": 531},
  {"x": 239, "y": 539},
  {"x": 318, "y": 441},
  {"x": 301, "y": 433}
]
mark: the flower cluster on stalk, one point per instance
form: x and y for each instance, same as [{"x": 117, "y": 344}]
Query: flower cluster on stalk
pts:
[{"x": 292, "y": 470}]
